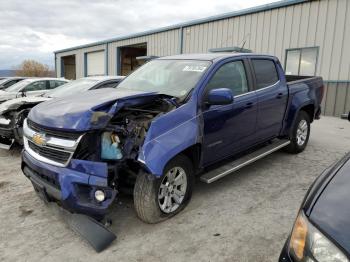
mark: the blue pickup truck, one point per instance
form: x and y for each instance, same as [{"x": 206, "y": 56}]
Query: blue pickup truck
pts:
[{"x": 174, "y": 118}]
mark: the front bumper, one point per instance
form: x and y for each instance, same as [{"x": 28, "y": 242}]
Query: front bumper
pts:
[{"x": 72, "y": 187}]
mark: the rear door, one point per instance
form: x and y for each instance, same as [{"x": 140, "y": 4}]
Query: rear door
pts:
[
  {"x": 229, "y": 129},
  {"x": 272, "y": 97}
]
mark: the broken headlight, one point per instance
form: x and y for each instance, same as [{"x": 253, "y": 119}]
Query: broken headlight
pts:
[{"x": 308, "y": 244}]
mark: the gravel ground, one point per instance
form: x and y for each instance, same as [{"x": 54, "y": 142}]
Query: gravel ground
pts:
[{"x": 245, "y": 216}]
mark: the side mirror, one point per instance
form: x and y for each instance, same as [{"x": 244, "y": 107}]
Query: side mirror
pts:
[
  {"x": 220, "y": 96},
  {"x": 23, "y": 93}
]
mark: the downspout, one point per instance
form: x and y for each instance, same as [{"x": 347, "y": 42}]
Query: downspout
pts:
[
  {"x": 181, "y": 39},
  {"x": 56, "y": 65},
  {"x": 85, "y": 64},
  {"x": 106, "y": 60},
  {"x": 62, "y": 67}
]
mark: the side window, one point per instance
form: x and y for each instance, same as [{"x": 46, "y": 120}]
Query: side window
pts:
[
  {"x": 59, "y": 83},
  {"x": 265, "y": 72},
  {"x": 108, "y": 85},
  {"x": 54, "y": 83},
  {"x": 231, "y": 75},
  {"x": 36, "y": 86}
]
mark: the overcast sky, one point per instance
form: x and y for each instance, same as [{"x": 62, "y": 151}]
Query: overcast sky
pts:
[{"x": 34, "y": 29}]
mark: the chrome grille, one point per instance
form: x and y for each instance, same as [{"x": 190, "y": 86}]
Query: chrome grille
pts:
[
  {"x": 54, "y": 150},
  {"x": 53, "y": 154}
]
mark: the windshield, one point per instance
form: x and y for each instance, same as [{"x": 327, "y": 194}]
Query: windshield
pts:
[
  {"x": 171, "y": 77},
  {"x": 17, "y": 87},
  {"x": 73, "y": 87},
  {"x": 3, "y": 81}
]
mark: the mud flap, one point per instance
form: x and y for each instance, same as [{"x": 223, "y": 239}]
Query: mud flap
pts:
[{"x": 98, "y": 236}]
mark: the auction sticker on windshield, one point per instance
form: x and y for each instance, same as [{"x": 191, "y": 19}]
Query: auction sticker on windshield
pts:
[{"x": 194, "y": 68}]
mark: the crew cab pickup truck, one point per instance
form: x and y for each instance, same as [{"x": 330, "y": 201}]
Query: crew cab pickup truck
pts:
[
  {"x": 13, "y": 112},
  {"x": 172, "y": 119}
]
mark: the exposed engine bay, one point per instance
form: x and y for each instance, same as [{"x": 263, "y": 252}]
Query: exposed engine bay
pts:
[{"x": 121, "y": 140}]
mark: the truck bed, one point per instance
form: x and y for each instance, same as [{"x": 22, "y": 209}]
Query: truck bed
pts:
[
  {"x": 291, "y": 79},
  {"x": 310, "y": 86}
]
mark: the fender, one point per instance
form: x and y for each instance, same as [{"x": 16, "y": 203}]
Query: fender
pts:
[{"x": 165, "y": 140}]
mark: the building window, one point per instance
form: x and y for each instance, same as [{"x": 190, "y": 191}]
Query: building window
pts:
[{"x": 301, "y": 61}]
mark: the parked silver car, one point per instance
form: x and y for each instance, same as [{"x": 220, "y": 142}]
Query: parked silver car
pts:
[
  {"x": 9, "y": 81},
  {"x": 30, "y": 87},
  {"x": 14, "y": 111}
]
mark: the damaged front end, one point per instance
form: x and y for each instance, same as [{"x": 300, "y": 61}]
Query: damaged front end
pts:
[
  {"x": 119, "y": 143},
  {"x": 84, "y": 170},
  {"x": 11, "y": 131},
  {"x": 12, "y": 115}
]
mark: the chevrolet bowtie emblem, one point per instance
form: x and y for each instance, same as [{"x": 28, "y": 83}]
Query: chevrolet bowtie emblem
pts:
[{"x": 39, "y": 139}]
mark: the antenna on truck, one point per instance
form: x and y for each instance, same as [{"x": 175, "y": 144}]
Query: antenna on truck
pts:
[{"x": 244, "y": 41}]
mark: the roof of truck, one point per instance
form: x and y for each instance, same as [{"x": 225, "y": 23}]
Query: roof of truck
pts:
[{"x": 212, "y": 56}]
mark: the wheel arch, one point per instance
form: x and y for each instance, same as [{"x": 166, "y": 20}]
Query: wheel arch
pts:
[
  {"x": 193, "y": 153},
  {"x": 308, "y": 107}
]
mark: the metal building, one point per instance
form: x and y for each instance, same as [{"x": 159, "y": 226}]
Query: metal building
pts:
[{"x": 310, "y": 37}]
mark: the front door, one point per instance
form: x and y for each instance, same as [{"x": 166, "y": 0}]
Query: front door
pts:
[
  {"x": 229, "y": 129},
  {"x": 36, "y": 88}
]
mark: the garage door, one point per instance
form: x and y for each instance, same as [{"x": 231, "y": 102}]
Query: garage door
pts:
[{"x": 95, "y": 63}]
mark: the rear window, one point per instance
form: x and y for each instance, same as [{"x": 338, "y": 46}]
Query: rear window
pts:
[{"x": 265, "y": 73}]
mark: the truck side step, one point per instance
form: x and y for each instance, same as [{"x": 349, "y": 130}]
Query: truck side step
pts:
[{"x": 245, "y": 160}]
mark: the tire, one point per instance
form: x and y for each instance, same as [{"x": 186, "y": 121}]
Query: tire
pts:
[
  {"x": 147, "y": 189},
  {"x": 299, "y": 135}
]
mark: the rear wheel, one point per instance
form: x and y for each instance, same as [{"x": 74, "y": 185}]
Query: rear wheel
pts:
[
  {"x": 158, "y": 199},
  {"x": 300, "y": 133}
]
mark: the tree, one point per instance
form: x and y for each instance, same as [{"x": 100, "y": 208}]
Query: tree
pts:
[{"x": 32, "y": 68}]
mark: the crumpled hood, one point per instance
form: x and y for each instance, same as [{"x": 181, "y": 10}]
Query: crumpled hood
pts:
[
  {"x": 14, "y": 103},
  {"x": 90, "y": 110}
]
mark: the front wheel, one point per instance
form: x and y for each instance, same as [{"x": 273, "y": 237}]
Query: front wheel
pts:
[
  {"x": 158, "y": 199},
  {"x": 300, "y": 134}
]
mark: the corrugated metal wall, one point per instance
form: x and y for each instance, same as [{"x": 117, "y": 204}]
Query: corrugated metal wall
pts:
[
  {"x": 322, "y": 23},
  {"x": 336, "y": 99}
]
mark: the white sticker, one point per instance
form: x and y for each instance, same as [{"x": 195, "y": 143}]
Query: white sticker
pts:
[{"x": 194, "y": 68}]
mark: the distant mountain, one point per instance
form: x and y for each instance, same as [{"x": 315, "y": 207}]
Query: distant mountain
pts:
[{"x": 7, "y": 72}]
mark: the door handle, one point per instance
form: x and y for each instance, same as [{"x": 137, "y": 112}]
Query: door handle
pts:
[
  {"x": 249, "y": 105},
  {"x": 279, "y": 95}
]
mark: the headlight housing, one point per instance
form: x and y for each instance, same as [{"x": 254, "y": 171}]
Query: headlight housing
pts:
[{"x": 308, "y": 244}]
